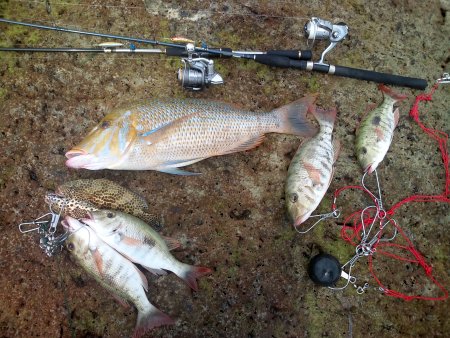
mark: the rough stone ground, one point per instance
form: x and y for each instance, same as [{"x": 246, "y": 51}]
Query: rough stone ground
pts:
[{"x": 232, "y": 217}]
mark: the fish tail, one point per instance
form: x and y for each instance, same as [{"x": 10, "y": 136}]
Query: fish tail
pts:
[
  {"x": 150, "y": 319},
  {"x": 293, "y": 117},
  {"x": 389, "y": 92},
  {"x": 192, "y": 273},
  {"x": 324, "y": 117}
]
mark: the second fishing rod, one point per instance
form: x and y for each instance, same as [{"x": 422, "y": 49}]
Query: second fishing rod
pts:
[{"x": 198, "y": 71}]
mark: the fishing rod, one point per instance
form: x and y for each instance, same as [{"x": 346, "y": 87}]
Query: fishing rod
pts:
[{"x": 197, "y": 71}]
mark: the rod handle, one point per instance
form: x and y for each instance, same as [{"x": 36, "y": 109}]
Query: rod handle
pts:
[{"x": 389, "y": 79}]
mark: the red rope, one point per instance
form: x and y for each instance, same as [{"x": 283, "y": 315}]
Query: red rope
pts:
[{"x": 362, "y": 218}]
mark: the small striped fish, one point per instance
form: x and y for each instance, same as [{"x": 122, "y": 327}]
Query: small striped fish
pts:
[
  {"x": 115, "y": 273},
  {"x": 166, "y": 134},
  {"x": 138, "y": 242},
  {"x": 311, "y": 169},
  {"x": 374, "y": 134}
]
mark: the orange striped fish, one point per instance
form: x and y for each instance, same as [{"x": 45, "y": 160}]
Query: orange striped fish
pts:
[
  {"x": 165, "y": 134},
  {"x": 311, "y": 169},
  {"x": 374, "y": 134}
]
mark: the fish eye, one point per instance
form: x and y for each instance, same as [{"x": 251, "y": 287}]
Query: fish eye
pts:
[
  {"x": 105, "y": 124},
  {"x": 110, "y": 215},
  {"x": 294, "y": 197},
  {"x": 70, "y": 246}
]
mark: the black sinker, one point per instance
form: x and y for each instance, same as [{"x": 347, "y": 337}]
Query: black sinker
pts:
[{"x": 324, "y": 269}]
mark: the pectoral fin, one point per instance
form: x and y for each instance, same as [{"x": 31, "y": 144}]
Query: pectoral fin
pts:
[{"x": 98, "y": 261}]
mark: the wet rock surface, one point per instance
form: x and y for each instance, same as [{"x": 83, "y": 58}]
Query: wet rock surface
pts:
[{"x": 232, "y": 217}]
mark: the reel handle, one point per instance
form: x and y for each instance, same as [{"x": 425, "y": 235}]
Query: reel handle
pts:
[{"x": 354, "y": 73}]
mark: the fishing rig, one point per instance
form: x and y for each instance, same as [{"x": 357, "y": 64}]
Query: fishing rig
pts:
[{"x": 197, "y": 70}]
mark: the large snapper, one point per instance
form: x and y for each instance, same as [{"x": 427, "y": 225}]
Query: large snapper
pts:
[
  {"x": 374, "y": 134},
  {"x": 138, "y": 242},
  {"x": 115, "y": 273},
  {"x": 165, "y": 134},
  {"x": 311, "y": 169}
]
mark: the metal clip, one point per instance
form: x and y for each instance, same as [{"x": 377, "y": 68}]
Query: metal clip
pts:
[
  {"x": 46, "y": 226},
  {"x": 334, "y": 214},
  {"x": 361, "y": 289},
  {"x": 444, "y": 79}
]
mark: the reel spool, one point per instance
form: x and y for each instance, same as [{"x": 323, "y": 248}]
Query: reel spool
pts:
[
  {"x": 319, "y": 29},
  {"x": 197, "y": 73}
]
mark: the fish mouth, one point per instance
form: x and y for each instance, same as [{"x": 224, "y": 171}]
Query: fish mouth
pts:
[
  {"x": 81, "y": 159},
  {"x": 75, "y": 152},
  {"x": 68, "y": 223},
  {"x": 89, "y": 219}
]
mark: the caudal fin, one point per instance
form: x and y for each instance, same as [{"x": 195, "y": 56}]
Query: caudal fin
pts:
[
  {"x": 389, "y": 92},
  {"x": 193, "y": 273},
  {"x": 149, "y": 320},
  {"x": 293, "y": 117},
  {"x": 324, "y": 117}
]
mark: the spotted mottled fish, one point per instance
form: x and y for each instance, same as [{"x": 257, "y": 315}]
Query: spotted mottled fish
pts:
[
  {"x": 141, "y": 244},
  {"x": 83, "y": 195},
  {"x": 311, "y": 169},
  {"x": 115, "y": 273},
  {"x": 374, "y": 134},
  {"x": 165, "y": 134}
]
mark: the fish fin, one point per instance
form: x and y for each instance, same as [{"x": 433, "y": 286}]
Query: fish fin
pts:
[
  {"x": 369, "y": 108},
  {"x": 396, "y": 116},
  {"x": 172, "y": 243},
  {"x": 247, "y": 145},
  {"x": 313, "y": 172},
  {"x": 324, "y": 116},
  {"x": 164, "y": 131},
  {"x": 293, "y": 117},
  {"x": 176, "y": 171},
  {"x": 150, "y": 319},
  {"x": 144, "y": 281},
  {"x": 130, "y": 241},
  {"x": 192, "y": 273},
  {"x": 98, "y": 261},
  {"x": 121, "y": 301},
  {"x": 336, "y": 148},
  {"x": 154, "y": 221},
  {"x": 158, "y": 272},
  {"x": 389, "y": 92},
  {"x": 182, "y": 163}
]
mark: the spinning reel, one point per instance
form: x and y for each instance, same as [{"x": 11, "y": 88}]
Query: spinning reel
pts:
[
  {"x": 197, "y": 73},
  {"x": 324, "y": 30}
]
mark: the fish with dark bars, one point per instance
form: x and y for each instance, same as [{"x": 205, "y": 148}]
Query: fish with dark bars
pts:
[
  {"x": 311, "y": 169},
  {"x": 165, "y": 134},
  {"x": 374, "y": 134}
]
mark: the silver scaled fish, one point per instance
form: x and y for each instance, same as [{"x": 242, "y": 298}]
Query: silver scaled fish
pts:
[
  {"x": 374, "y": 134},
  {"x": 80, "y": 196},
  {"x": 115, "y": 273},
  {"x": 166, "y": 134},
  {"x": 311, "y": 169},
  {"x": 141, "y": 244}
]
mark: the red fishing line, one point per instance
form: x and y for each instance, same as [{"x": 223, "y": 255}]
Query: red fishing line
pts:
[{"x": 358, "y": 221}]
